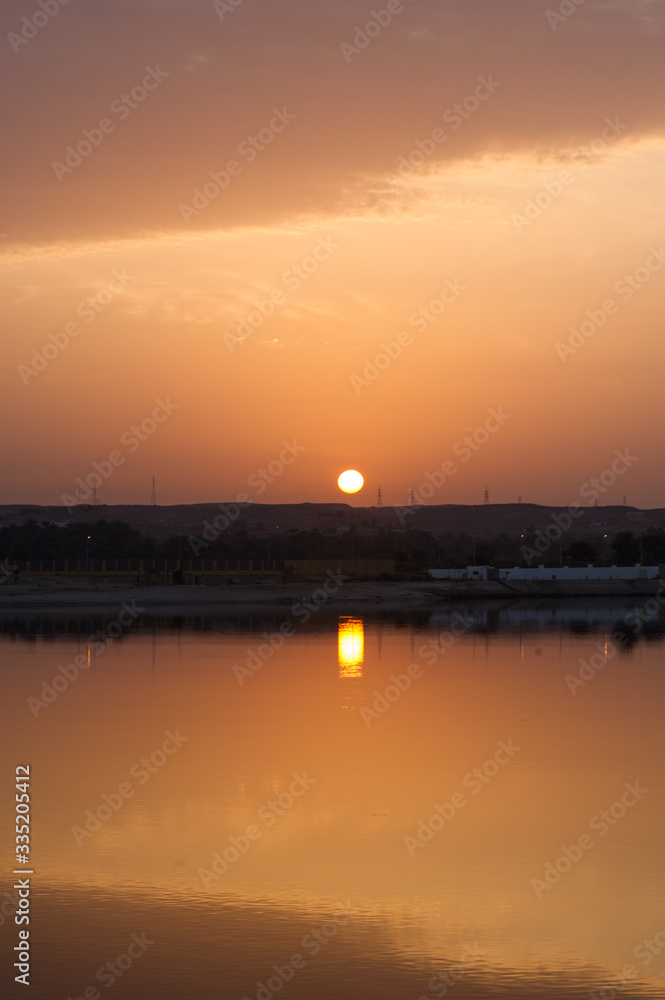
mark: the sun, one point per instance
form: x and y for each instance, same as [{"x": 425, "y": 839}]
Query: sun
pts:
[{"x": 350, "y": 481}]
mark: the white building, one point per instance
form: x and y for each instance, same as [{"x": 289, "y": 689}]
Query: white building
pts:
[
  {"x": 589, "y": 572},
  {"x": 447, "y": 574},
  {"x": 636, "y": 572}
]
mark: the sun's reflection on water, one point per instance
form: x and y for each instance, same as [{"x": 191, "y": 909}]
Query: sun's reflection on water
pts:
[{"x": 350, "y": 647}]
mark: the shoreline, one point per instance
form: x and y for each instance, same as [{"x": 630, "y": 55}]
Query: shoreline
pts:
[{"x": 47, "y": 596}]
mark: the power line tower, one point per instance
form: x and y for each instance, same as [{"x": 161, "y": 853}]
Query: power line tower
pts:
[
  {"x": 78, "y": 495},
  {"x": 379, "y": 501},
  {"x": 519, "y": 499},
  {"x": 95, "y": 501},
  {"x": 153, "y": 495},
  {"x": 486, "y": 498},
  {"x": 412, "y": 499}
]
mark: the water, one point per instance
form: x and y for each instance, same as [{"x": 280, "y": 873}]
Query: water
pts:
[{"x": 284, "y": 838}]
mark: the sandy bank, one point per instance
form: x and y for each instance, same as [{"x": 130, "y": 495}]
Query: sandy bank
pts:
[{"x": 343, "y": 598}]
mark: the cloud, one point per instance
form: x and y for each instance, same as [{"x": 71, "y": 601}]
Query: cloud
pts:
[{"x": 353, "y": 120}]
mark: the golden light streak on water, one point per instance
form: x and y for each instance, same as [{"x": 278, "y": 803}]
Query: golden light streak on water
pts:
[{"x": 350, "y": 647}]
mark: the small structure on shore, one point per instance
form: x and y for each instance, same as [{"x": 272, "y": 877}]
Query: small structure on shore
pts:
[{"x": 469, "y": 573}]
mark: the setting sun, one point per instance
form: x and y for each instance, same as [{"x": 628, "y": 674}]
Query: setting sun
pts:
[{"x": 350, "y": 481}]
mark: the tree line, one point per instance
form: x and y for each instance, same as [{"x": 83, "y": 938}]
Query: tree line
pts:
[{"x": 412, "y": 549}]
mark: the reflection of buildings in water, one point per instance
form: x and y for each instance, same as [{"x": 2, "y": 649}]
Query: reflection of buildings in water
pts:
[
  {"x": 350, "y": 647},
  {"x": 619, "y": 624},
  {"x": 572, "y": 616},
  {"x": 474, "y": 618}
]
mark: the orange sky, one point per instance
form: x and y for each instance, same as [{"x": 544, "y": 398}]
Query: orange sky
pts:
[{"x": 308, "y": 137}]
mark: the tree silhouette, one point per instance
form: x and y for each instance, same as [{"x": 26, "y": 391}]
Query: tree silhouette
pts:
[
  {"x": 581, "y": 552},
  {"x": 626, "y": 548}
]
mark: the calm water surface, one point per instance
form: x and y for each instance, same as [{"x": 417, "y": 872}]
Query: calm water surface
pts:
[{"x": 258, "y": 821}]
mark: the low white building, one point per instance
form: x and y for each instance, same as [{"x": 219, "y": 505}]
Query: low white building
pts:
[
  {"x": 590, "y": 572},
  {"x": 447, "y": 574}
]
